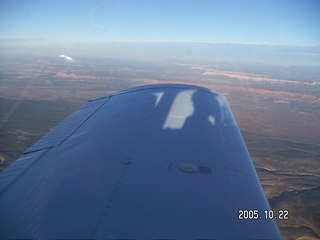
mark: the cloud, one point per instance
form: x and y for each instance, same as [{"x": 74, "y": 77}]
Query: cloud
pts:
[{"x": 66, "y": 57}]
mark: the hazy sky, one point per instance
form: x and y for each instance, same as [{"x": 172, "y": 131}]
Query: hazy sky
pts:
[{"x": 242, "y": 21}]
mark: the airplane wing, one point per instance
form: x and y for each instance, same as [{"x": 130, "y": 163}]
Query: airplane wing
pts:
[{"x": 154, "y": 162}]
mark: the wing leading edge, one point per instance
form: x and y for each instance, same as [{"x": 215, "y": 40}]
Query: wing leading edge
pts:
[{"x": 159, "y": 161}]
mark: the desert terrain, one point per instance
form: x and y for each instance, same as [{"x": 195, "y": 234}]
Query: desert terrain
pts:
[{"x": 276, "y": 108}]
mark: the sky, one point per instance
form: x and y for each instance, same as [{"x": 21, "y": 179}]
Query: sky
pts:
[{"x": 44, "y": 23}]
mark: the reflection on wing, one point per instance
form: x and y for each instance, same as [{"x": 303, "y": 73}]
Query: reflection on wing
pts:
[
  {"x": 153, "y": 162},
  {"x": 181, "y": 108}
]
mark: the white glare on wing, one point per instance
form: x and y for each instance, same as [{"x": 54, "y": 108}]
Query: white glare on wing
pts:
[
  {"x": 180, "y": 110},
  {"x": 158, "y": 96},
  {"x": 212, "y": 120},
  {"x": 66, "y": 57}
]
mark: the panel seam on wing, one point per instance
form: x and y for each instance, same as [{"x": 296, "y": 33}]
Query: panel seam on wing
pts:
[
  {"x": 110, "y": 200},
  {"x": 66, "y": 138},
  {"x": 16, "y": 164}
]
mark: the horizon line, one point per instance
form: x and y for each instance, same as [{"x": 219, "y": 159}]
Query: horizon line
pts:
[{"x": 157, "y": 41}]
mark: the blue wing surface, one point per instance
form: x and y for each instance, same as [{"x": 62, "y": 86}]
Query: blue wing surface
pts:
[{"x": 161, "y": 161}]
